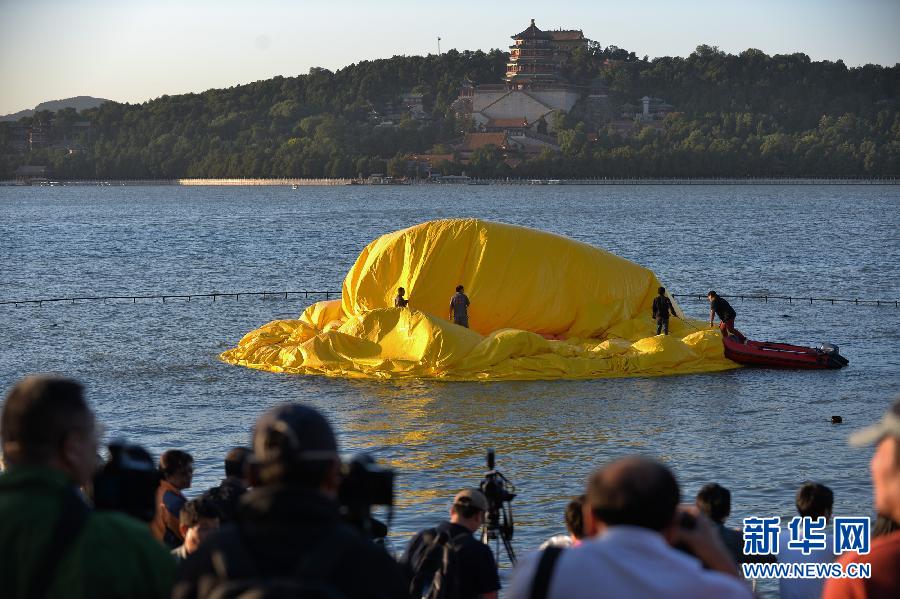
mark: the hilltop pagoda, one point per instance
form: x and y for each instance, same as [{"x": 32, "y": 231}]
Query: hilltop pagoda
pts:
[
  {"x": 524, "y": 104},
  {"x": 533, "y": 62}
]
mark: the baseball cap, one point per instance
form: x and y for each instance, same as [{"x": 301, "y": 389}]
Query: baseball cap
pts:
[
  {"x": 889, "y": 425},
  {"x": 291, "y": 432},
  {"x": 471, "y": 497}
]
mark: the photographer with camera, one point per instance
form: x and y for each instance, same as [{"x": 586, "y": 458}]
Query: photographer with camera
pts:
[
  {"x": 632, "y": 522},
  {"x": 447, "y": 562},
  {"x": 288, "y": 536},
  {"x": 51, "y": 543}
]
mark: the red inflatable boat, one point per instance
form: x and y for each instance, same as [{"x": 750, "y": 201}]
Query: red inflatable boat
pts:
[{"x": 766, "y": 354}]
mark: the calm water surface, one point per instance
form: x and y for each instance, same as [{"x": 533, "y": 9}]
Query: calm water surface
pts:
[{"x": 153, "y": 375}]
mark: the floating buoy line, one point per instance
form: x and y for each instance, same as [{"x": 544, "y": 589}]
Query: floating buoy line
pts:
[{"x": 318, "y": 295}]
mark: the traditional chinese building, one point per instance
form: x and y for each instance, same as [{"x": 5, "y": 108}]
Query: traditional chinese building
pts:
[
  {"x": 566, "y": 41},
  {"x": 532, "y": 63},
  {"x": 533, "y": 90}
]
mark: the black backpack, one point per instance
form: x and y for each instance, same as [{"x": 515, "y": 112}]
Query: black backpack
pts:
[
  {"x": 436, "y": 574},
  {"x": 238, "y": 575}
]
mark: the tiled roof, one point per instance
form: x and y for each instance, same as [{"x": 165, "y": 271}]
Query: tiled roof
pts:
[
  {"x": 473, "y": 141},
  {"x": 570, "y": 35},
  {"x": 532, "y": 33}
]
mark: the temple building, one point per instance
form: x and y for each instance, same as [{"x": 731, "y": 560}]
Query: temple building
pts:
[
  {"x": 533, "y": 90},
  {"x": 532, "y": 60}
]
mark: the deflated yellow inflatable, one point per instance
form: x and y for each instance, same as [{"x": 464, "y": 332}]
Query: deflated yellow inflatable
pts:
[{"x": 542, "y": 307}]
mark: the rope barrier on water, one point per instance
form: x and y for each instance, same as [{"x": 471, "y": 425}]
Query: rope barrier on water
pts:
[
  {"x": 174, "y": 296},
  {"x": 791, "y": 299},
  {"x": 329, "y": 294}
]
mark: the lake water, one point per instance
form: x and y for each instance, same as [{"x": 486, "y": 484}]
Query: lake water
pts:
[{"x": 153, "y": 375}]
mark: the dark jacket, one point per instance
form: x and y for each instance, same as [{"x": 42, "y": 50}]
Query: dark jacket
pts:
[
  {"x": 722, "y": 309},
  {"x": 227, "y": 497},
  {"x": 280, "y": 526},
  {"x": 661, "y": 308}
]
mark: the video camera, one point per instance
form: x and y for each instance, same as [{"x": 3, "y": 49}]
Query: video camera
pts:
[
  {"x": 364, "y": 484},
  {"x": 498, "y": 522},
  {"x": 127, "y": 482}
]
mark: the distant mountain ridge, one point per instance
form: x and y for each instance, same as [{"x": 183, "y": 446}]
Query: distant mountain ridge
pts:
[{"x": 79, "y": 103}]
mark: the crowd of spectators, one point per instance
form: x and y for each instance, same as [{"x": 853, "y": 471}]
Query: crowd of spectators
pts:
[{"x": 273, "y": 527}]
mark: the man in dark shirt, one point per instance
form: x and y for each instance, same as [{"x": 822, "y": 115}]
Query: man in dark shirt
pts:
[
  {"x": 476, "y": 569},
  {"x": 662, "y": 306},
  {"x": 719, "y": 307},
  {"x": 399, "y": 301},
  {"x": 459, "y": 307},
  {"x": 227, "y": 495}
]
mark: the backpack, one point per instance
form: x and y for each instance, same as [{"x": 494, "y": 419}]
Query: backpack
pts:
[
  {"x": 436, "y": 574},
  {"x": 238, "y": 577}
]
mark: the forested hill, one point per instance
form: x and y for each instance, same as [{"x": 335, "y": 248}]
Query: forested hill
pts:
[{"x": 735, "y": 115}]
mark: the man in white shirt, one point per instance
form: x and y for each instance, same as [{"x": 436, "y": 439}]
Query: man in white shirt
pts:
[{"x": 633, "y": 517}]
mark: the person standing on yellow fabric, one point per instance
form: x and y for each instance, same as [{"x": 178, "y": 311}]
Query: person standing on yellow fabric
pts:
[
  {"x": 399, "y": 301},
  {"x": 459, "y": 307},
  {"x": 177, "y": 468},
  {"x": 661, "y": 308}
]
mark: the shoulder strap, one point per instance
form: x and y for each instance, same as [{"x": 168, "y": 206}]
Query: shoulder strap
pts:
[
  {"x": 540, "y": 586},
  {"x": 71, "y": 520}
]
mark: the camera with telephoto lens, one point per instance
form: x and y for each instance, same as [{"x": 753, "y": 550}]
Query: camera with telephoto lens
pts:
[
  {"x": 127, "y": 482},
  {"x": 364, "y": 484},
  {"x": 498, "y": 521}
]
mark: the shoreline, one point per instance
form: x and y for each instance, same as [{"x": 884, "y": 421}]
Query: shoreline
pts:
[{"x": 455, "y": 181}]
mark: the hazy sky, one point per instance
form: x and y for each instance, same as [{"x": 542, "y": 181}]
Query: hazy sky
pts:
[{"x": 135, "y": 50}]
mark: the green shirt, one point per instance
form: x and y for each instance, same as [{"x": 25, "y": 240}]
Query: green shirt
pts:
[{"x": 113, "y": 555}]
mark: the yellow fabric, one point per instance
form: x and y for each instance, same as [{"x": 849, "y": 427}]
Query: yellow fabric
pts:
[{"x": 542, "y": 307}]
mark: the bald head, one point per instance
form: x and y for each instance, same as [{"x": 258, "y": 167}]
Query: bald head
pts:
[{"x": 634, "y": 491}]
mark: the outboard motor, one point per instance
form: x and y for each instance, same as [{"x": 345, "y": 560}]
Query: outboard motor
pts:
[
  {"x": 828, "y": 348},
  {"x": 834, "y": 357}
]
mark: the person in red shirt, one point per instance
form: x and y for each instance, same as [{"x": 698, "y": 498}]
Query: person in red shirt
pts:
[{"x": 884, "y": 555}]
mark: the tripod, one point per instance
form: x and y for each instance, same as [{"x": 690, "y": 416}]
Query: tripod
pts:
[{"x": 498, "y": 523}]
